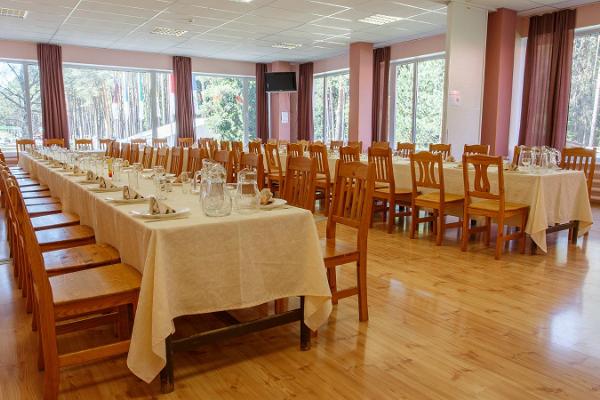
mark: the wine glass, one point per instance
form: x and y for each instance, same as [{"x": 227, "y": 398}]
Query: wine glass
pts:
[{"x": 526, "y": 159}]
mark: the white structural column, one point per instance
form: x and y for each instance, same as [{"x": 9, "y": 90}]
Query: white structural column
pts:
[{"x": 465, "y": 69}]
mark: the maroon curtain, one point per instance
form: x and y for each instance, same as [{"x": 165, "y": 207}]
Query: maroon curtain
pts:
[
  {"x": 262, "y": 108},
  {"x": 381, "y": 83},
  {"x": 305, "y": 107},
  {"x": 182, "y": 74},
  {"x": 54, "y": 106},
  {"x": 547, "y": 79}
]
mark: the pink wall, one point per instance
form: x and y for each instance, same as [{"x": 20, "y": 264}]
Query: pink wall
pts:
[
  {"x": 361, "y": 92},
  {"x": 331, "y": 64},
  {"x": 280, "y": 102}
]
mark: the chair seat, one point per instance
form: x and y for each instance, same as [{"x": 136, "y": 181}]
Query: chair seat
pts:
[
  {"x": 41, "y": 200},
  {"x": 80, "y": 257},
  {"x": 54, "y": 221},
  {"x": 94, "y": 283},
  {"x": 23, "y": 182},
  {"x": 38, "y": 188},
  {"x": 52, "y": 239},
  {"x": 434, "y": 197},
  {"x": 43, "y": 209},
  {"x": 36, "y": 195},
  {"x": 332, "y": 249},
  {"x": 398, "y": 191},
  {"x": 494, "y": 205}
]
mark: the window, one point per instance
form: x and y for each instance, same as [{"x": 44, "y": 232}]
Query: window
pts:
[
  {"x": 417, "y": 106},
  {"x": 119, "y": 104},
  {"x": 583, "y": 128},
  {"x": 225, "y": 107},
  {"x": 331, "y": 103},
  {"x": 20, "y": 105}
]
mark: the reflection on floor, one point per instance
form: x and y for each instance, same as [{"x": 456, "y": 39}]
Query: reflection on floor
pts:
[{"x": 443, "y": 325}]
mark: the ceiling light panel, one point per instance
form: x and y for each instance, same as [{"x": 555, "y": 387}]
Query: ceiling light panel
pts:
[
  {"x": 286, "y": 45},
  {"x": 13, "y": 12},
  {"x": 380, "y": 19},
  {"x": 161, "y": 30}
]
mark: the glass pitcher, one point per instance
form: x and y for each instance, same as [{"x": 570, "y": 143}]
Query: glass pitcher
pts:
[
  {"x": 215, "y": 201},
  {"x": 248, "y": 198}
]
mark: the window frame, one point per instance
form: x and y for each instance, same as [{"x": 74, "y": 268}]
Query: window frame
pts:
[{"x": 325, "y": 75}]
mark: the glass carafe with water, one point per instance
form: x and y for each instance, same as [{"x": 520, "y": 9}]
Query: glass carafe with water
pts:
[
  {"x": 215, "y": 201},
  {"x": 248, "y": 197}
]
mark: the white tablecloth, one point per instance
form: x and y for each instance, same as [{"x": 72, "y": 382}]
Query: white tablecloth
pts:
[
  {"x": 200, "y": 264},
  {"x": 553, "y": 198}
]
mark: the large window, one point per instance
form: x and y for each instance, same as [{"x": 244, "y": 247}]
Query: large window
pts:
[
  {"x": 119, "y": 104},
  {"x": 225, "y": 107},
  {"x": 583, "y": 128},
  {"x": 331, "y": 102},
  {"x": 20, "y": 106},
  {"x": 417, "y": 106}
]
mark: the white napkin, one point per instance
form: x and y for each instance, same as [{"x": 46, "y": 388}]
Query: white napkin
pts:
[
  {"x": 158, "y": 207},
  {"x": 130, "y": 194},
  {"x": 91, "y": 176},
  {"x": 104, "y": 184}
]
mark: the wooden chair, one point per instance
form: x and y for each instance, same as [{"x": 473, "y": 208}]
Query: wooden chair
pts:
[
  {"x": 358, "y": 145},
  {"x": 336, "y": 144},
  {"x": 273, "y": 141},
  {"x": 380, "y": 145},
  {"x": 323, "y": 181},
  {"x": 176, "y": 160},
  {"x": 517, "y": 154},
  {"x": 185, "y": 142},
  {"x": 385, "y": 186},
  {"x": 84, "y": 144},
  {"x": 77, "y": 301},
  {"x": 254, "y": 161},
  {"x": 162, "y": 157},
  {"x": 404, "y": 150},
  {"x": 237, "y": 146},
  {"x": 299, "y": 187},
  {"x": 115, "y": 149},
  {"x": 53, "y": 142},
  {"x": 351, "y": 206},
  {"x": 295, "y": 150},
  {"x": 275, "y": 173},
  {"x": 488, "y": 204},
  {"x": 225, "y": 158},
  {"x": 580, "y": 159},
  {"x": 195, "y": 157},
  {"x": 445, "y": 149},
  {"x": 125, "y": 151},
  {"x": 24, "y": 145},
  {"x": 147, "y": 157},
  {"x": 134, "y": 155},
  {"x": 104, "y": 144},
  {"x": 471, "y": 149},
  {"x": 255, "y": 147},
  {"x": 349, "y": 154},
  {"x": 427, "y": 172},
  {"x": 139, "y": 142},
  {"x": 160, "y": 142},
  {"x": 225, "y": 145}
]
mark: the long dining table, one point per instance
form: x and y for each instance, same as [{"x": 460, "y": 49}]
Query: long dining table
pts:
[
  {"x": 554, "y": 197},
  {"x": 199, "y": 264}
]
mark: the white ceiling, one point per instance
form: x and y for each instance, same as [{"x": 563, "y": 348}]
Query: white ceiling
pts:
[{"x": 228, "y": 29}]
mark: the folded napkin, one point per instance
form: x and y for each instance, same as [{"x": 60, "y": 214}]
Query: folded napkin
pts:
[
  {"x": 91, "y": 176},
  {"x": 77, "y": 170},
  {"x": 130, "y": 194},
  {"x": 104, "y": 184},
  {"x": 158, "y": 207}
]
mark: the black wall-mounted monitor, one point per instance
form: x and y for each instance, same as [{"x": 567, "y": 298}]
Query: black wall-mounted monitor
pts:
[{"x": 280, "y": 82}]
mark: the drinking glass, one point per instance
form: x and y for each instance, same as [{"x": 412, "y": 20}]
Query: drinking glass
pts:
[
  {"x": 526, "y": 159},
  {"x": 160, "y": 187},
  {"x": 158, "y": 170},
  {"x": 232, "y": 192},
  {"x": 186, "y": 182},
  {"x": 133, "y": 179}
]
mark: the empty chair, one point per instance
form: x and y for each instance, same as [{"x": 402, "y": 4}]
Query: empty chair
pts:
[
  {"x": 275, "y": 174},
  {"x": 147, "y": 157},
  {"x": 125, "y": 151},
  {"x": 349, "y": 154},
  {"x": 225, "y": 158},
  {"x": 24, "y": 145},
  {"x": 139, "y": 142},
  {"x": 299, "y": 188},
  {"x": 404, "y": 150},
  {"x": 295, "y": 150},
  {"x": 580, "y": 159},
  {"x": 255, "y": 147},
  {"x": 176, "y": 160},
  {"x": 195, "y": 157},
  {"x": 427, "y": 172},
  {"x": 237, "y": 146},
  {"x": 159, "y": 142},
  {"x": 380, "y": 145},
  {"x": 517, "y": 154},
  {"x": 444, "y": 149},
  {"x": 471, "y": 149},
  {"x": 323, "y": 181},
  {"x": 185, "y": 142},
  {"x": 115, "y": 149},
  {"x": 481, "y": 201},
  {"x": 84, "y": 144},
  {"x": 351, "y": 207},
  {"x": 162, "y": 157},
  {"x": 358, "y": 145},
  {"x": 134, "y": 155},
  {"x": 254, "y": 161},
  {"x": 54, "y": 142},
  {"x": 225, "y": 145},
  {"x": 336, "y": 144},
  {"x": 104, "y": 143}
]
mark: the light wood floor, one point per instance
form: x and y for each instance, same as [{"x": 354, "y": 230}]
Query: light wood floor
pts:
[{"x": 443, "y": 325}]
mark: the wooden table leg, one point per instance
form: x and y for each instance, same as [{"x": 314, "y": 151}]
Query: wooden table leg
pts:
[
  {"x": 167, "y": 379},
  {"x": 304, "y": 330},
  {"x": 575, "y": 232}
]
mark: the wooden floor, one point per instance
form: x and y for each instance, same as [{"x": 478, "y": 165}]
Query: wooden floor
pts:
[{"x": 443, "y": 325}]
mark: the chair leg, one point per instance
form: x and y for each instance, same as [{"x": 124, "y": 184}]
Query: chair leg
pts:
[
  {"x": 488, "y": 231},
  {"x": 441, "y": 222},
  {"x": 500, "y": 238},
  {"x": 392, "y": 215},
  {"x": 413, "y": 221},
  {"x": 332, "y": 279},
  {"x": 51, "y": 365},
  {"x": 465, "y": 232},
  {"x": 361, "y": 267},
  {"x": 123, "y": 322},
  {"x": 40, "y": 360}
]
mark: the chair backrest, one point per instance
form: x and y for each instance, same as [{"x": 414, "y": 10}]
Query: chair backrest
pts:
[
  {"x": 54, "y": 142},
  {"x": 336, "y": 144},
  {"x": 185, "y": 142},
  {"x": 300, "y": 177},
  {"x": 225, "y": 145},
  {"x": 352, "y": 200},
  {"x": 84, "y": 144},
  {"x": 517, "y": 154},
  {"x": 384, "y": 170},
  {"x": 254, "y": 161},
  {"x": 380, "y": 145},
  {"x": 147, "y": 157},
  {"x": 24, "y": 145},
  {"x": 273, "y": 160},
  {"x": 480, "y": 187},
  {"x": 358, "y": 145},
  {"x": 580, "y": 159},
  {"x": 295, "y": 150},
  {"x": 349, "y": 154},
  {"x": 273, "y": 141},
  {"x": 125, "y": 151},
  {"x": 139, "y": 141},
  {"x": 443, "y": 148},
  {"x": 255, "y": 147},
  {"x": 195, "y": 157},
  {"x": 134, "y": 154},
  {"x": 427, "y": 171},
  {"x": 319, "y": 153},
  {"x": 115, "y": 149},
  {"x": 176, "y": 160},
  {"x": 159, "y": 142},
  {"x": 225, "y": 158},
  {"x": 404, "y": 150},
  {"x": 237, "y": 146},
  {"x": 162, "y": 157},
  {"x": 104, "y": 144},
  {"x": 471, "y": 149}
]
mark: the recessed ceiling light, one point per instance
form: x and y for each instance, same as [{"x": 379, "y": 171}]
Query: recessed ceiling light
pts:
[
  {"x": 13, "y": 12},
  {"x": 289, "y": 46},
  {"x": 380, "y": 19},
  {"x": 242, "y": 1},
  {"x": 161, "y": 30}
]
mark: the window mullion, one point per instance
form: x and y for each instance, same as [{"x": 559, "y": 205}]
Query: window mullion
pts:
[
  {"x": 27, "y": 99},
  {"x": 415, "y": 94}
]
